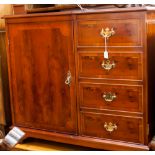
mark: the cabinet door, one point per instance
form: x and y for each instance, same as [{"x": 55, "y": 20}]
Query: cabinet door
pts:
[{"x": 40, "y": 56}]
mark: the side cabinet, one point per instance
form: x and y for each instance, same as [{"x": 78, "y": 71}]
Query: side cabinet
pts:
[
  {"x": 63, "y": 89},
  {"x": 42, "y": 75}
]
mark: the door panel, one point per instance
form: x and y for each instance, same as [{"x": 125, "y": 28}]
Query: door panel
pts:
[{"x": 40, "y": 57}]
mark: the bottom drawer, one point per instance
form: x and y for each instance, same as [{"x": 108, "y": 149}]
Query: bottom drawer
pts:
[{"x": 112, "y": 127}]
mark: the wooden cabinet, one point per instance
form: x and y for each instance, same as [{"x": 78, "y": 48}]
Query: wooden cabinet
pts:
[{"x": 63, "y": 89}]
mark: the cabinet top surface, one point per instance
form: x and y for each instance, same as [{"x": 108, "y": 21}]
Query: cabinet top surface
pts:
[{"x": 88, "y": 11}]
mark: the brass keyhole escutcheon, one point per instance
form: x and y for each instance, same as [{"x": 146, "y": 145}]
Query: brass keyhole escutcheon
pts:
[{"x": 68, "y": 79}]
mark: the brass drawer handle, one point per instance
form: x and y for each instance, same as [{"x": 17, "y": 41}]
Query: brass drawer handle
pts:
[
  {"x": 110, "y": 127},
  {"x": 106, "y": 33},
  {"x": 68, "y": 79},
  {"x": 108, "y": 65},
  {"x": 109, "y": 97}
]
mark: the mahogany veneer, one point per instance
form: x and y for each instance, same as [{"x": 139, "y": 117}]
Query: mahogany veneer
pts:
[
  {"x": 131, "y": 64},
  {"x": 59, "y": 88}
]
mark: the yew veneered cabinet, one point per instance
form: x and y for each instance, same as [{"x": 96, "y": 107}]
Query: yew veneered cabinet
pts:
[{"x": 63, "y": 89}]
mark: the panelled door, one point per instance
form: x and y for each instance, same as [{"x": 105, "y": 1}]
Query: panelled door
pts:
[{"x": 42, "y": 75}]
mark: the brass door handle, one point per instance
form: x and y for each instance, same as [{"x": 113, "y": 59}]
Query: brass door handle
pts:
[
  {"x": 109, "y": 97},
  {"x": 68, "y": 78},
  {"x": 108, "y": 65},
  {"x": 110, "y": 127}
]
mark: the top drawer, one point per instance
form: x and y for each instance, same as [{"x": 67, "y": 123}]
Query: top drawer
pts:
[{"x": 128, "y": 32}]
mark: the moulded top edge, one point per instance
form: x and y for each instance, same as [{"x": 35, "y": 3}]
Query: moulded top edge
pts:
[{"x": 74, "y": 12}]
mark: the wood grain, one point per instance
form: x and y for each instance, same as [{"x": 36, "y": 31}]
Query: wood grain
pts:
[
  {"x": 39, "y": 74},
  {"x": 126, "y": 32},
  {"x": 128, "y": 128},
  {"x": 129, "y": 63},
  {"x": 128, "y": 97},
  {"x": 5, "y": 96}
]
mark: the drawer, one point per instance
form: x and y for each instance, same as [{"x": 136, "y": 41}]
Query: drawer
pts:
[
  {"x": 112, "y": 127},
  {"x": 119, "y": 66},
  {"x": 110, "y": 96},
  {"x": 128, "y": 32}
]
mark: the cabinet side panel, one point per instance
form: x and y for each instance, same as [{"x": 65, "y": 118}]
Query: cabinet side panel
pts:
[{"x": 151, "y": 72}]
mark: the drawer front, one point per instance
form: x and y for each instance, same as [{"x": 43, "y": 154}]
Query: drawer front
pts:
[
  {"x": 128, "y": 32},
  {"x": 112, "y": 97},
  {"x": 120, "y": 66},
  {"x": 112, "y": 127}
]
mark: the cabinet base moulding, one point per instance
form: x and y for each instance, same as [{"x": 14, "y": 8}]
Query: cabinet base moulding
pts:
[{"x": 84, "y": 141}]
